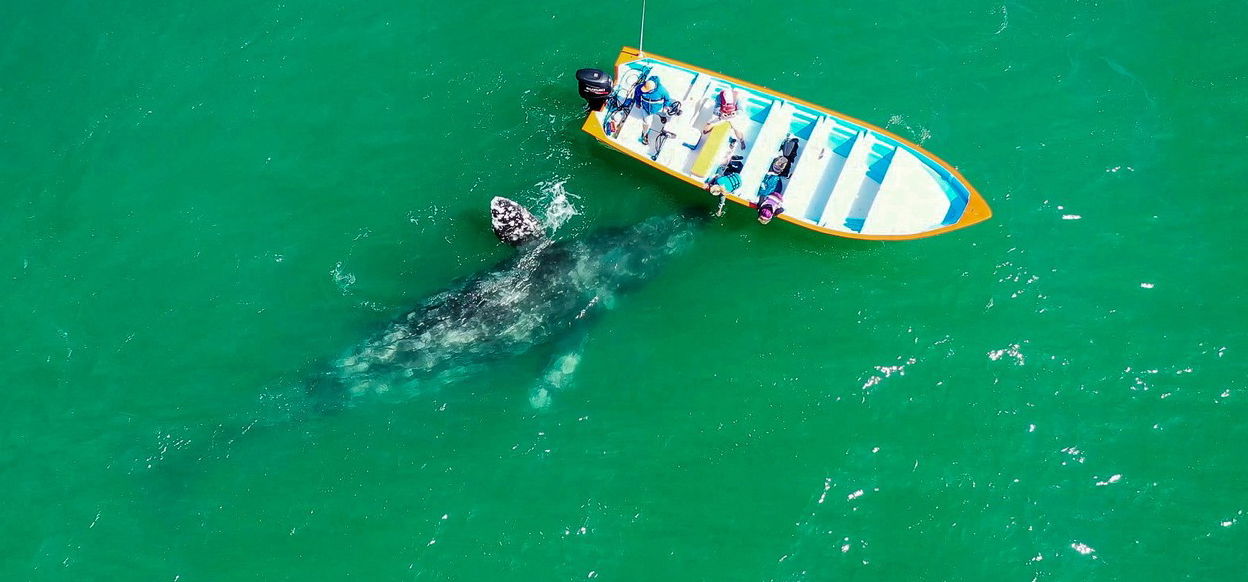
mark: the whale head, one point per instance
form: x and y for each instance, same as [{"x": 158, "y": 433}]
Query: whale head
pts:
[{"x": 513, "y": 223}]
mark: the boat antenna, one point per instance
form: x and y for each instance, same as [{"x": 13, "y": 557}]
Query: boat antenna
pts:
[{"x": 641, "y": 41}]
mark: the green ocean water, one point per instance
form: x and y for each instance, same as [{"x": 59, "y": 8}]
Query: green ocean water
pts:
[{"x": 205, "y": 200}]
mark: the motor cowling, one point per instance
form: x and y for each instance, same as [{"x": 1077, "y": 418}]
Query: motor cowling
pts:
[{"x": 594, "y": 86}]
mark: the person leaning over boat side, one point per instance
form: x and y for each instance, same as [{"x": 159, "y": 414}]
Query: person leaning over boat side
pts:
[
  {"x": 654, "y": 101},
  {"x": 771, "y": 197},
  {"x": 725, "y": 181},
  {"x": 771, "y": 191},
  {"x": 725, "y": 112}
]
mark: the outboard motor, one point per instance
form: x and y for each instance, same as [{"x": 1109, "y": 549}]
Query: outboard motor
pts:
[{"x": 595, "y": 88}]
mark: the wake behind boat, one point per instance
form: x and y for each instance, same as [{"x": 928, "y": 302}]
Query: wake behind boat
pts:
[{"x": 805, "y": 164}]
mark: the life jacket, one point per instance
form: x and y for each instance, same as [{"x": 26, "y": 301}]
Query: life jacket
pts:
[
  {"x": 730, "y": 182},
  {"x": 726, "y": 101},
  {"x": 772, "y": 186},
  {"x": 773, "y": 203}
]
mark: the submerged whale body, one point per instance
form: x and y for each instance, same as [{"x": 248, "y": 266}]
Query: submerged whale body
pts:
[
  {"x": 547, "y": 291},
  {"x": 545, "y": 295}
]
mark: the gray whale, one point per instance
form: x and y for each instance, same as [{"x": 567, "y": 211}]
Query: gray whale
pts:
[{"x": 546, "y": 293}]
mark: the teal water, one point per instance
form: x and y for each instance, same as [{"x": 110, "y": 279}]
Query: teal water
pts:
[{"x": 207, "y": 200}]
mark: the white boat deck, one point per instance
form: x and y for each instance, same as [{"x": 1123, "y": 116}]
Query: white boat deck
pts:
[{"x": 845, "y": 178}]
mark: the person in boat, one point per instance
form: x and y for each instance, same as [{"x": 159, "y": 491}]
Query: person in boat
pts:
[
  {"x": 661, "y": 134},
  {"x": 725, "y": 111},
  {"x": 771, "y": 203},
  {"x": 654, "y": 101},
  {"x": 782, "y": 165},
  {"x": 725, "y": 181},
  {"x": 771, "y": 192}
]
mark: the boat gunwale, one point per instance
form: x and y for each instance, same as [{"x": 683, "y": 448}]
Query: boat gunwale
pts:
[{"x": 976, "y": 210}]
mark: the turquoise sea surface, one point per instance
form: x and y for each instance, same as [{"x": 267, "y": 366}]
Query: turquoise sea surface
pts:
[{"x": 208, "y": 201}]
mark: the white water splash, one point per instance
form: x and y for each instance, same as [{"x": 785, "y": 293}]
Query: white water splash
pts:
[
  {"x": 919, "y": 133},
  {"x": 342, "y": 279},
  {"x": 1005, "y": 20},
  {"x": 1110, "y": 481},
  {"x": 827, "y": 485},
  {"x": 887, "y": 372},
  {"x": 1013, "y": 351},
  {"x": 1075, "y": 454},
  {"x": 1083, "y": 548},
  {"x": 559, "y": 207}
]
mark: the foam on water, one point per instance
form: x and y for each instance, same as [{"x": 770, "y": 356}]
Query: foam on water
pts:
[{"x": 558, "y": 208}]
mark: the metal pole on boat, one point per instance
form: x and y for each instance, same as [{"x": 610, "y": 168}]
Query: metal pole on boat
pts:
[{"x": 641, "y": 41}]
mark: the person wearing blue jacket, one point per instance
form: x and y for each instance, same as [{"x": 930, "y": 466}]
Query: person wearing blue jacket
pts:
[{"x": 653, "y": 100}]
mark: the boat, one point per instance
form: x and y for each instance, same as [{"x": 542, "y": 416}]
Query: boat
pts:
[{"x": 841, "y": 176}]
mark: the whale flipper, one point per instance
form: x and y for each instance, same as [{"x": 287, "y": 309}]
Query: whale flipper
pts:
[{"x": 559, "y": 373}]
